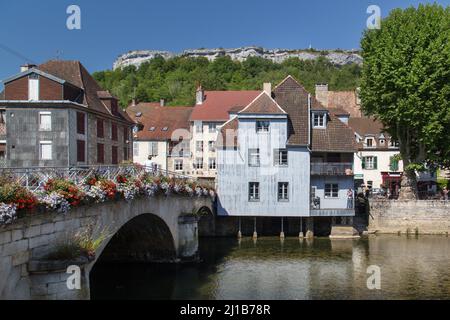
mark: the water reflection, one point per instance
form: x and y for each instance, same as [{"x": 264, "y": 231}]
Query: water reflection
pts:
[{"x": 411, "y": 268}]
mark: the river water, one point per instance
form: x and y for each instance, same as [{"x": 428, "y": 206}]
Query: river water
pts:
[{"x": 410, "y": 268}]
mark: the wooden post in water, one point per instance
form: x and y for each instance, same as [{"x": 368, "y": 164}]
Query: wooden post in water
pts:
[
  {"x": 300, "y": 235},
  {"x": 282, "y": 229},
  {"x": 239, "y": 235},
  {"x": 255, "y": 234}
]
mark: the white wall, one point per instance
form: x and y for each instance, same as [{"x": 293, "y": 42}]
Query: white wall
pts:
[
  {"x": 383, "y": 165},
  {"x": 234, "y": 174},
  {"x": 144, "y": 151}
]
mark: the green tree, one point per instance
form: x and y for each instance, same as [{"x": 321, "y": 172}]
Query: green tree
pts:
[{"x": 406, "y": 85}]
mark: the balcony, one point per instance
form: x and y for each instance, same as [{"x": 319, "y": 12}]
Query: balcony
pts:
[{"x": 332, "y": 168}]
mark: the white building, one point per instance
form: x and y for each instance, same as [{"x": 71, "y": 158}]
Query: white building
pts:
[{"x": 159, "y": 131}]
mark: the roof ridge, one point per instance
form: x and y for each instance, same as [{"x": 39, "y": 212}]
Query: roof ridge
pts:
[{"x": 261, "y": 94}]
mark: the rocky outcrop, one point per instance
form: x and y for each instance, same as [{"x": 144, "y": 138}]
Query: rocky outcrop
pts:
[{"x": 337, "y": 57}]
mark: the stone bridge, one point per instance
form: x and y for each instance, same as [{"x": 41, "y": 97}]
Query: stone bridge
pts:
[{"x": 145, "y": 229}]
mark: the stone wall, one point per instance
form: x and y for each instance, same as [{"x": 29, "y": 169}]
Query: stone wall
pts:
[{"x": 422, "y": 216}]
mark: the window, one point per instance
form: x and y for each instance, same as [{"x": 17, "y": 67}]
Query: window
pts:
[
  {"x": 151, "y": 129},
  {"x": 114, "y": 155},
  {"x": 253, "y": 158},
  {"x": 100, "y": 128},
  {"x": 45, "y": 121},
  {"x": 33, "y": 87},
  {"x": 81, "y": 125},
  {"x": 370, "y": 143},
  {"x": 283, "y": 191},
  {"x": 212, "y": 127},
  {"x": 262, "y": 126},
  {"x": 114, "y": 131},
  {"x": 253, "y": 191},
  {"x": 125, "y": 153},
  {"x": 165, "y": 129},
  {"x": 199, "y": 146},
  {"x": 81, "y": 151},
  {"x": 153, "y": 148},
  {"x": 126, "y": 135},
  {"x": 198, "y": 163},
  {"x": 331, "y": 190},
  {"x": 100, "y": 153},
  {"x": 2, "y": 116},
  {"x": 212, "y": 163},
  {"x": 393, "y": 144},
  {"x": 281, "y": 157},
  {"x": 199, "y": 127},
  {"x": 319, "y": 120},
  {"x": 211, "y": 146},
  {"x": 45, "y": 150},
  {"x": 136, "y": 149},
  {"x": 178, "y": 165},
  {"x": 393, "y": 164},
  {"x": 369, "y": 163}
]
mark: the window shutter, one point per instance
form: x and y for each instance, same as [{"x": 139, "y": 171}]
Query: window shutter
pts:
[
  {"x": 363, "y": 162},
  {"x": 114, "y": 158},
  {"x": 375, "y": 164},
  {"x": 80, "y": 150},
  {"x": 80, "y": 123}
]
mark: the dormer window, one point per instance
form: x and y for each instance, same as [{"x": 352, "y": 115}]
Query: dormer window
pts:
[
  {"x": 393, "y": 144},
  {"x": 382, "y": 142},
  {"x": 151, "y": 129},
  {"x": 370, "y": 143},
  {"x": 262, "y": 126},
  {"x": 165, "y": 129},
  {"x": 319, "y": 120}
]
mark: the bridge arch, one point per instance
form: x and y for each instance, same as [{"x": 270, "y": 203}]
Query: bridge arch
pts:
[{"x": 172, "y": 222}]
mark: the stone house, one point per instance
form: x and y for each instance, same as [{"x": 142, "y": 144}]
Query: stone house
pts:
[{"x": 57, "y": 115}]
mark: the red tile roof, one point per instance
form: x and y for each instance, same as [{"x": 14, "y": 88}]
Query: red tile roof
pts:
[
  {"x": 154, "y": 116},
  {"x": 263, "y": 104},
  {"x": 77, "y": 75},
  {"x": 216, "y": 104}
]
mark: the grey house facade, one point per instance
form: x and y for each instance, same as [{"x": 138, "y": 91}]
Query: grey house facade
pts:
[
  {"x": 285, "y": 155},
  {"x": 56, "y": 115}
]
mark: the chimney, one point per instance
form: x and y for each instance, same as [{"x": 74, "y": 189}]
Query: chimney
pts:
[
  {"x": 26, "y": 67},
  {"x": 162, "y": 102},
  {"x": 199, "y": 95},
  {"x": 322, "y": 93},
  {"x": 267, "y": 87}
]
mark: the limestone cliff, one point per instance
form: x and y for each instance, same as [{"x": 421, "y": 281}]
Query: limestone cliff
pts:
[{"x": 337, "y": 57}]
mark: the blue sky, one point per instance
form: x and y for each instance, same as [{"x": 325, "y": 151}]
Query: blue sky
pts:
[{"x": 37, "y": 30}]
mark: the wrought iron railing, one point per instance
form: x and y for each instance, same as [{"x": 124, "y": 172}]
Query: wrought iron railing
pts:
[
  {"x": 33, "y": 178},
  {"x": 332, "y": 168}
]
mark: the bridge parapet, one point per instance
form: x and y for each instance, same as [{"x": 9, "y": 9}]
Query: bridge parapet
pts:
[{"x": 158, "y": 210}]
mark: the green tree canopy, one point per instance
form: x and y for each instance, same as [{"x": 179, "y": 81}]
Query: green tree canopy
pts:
[
  {"x": 405, "y": 84},
  {"x": 176, "y": 79}
]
